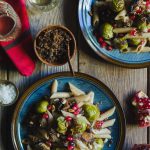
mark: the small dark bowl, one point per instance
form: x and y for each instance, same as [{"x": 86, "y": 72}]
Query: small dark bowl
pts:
[
  {"x": 6, "y": 82},
  {"x": 72, "y": 49}
]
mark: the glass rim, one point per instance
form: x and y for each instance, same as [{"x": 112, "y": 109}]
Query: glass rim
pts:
[{"x": 38, "y": 4}]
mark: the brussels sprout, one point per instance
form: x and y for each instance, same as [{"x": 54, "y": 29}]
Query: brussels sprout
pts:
[
  {"x": 42, "y": 106},
  {"x": 61, "y": 125},
  {"x": 134, "y": 42},
  {"x": 121, "y": 43},
  {"x": 80, "y": 125},
  {"x": 98, "y": 144},
  {"x": 107, "y": 31},
  {"x": 118, "y": 5},
  {"x": 91, "y": 112},
  {"x": 142, "y": 25}
]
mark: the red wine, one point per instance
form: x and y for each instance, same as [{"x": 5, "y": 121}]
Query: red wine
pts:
[{"x": 6, "y": 25}]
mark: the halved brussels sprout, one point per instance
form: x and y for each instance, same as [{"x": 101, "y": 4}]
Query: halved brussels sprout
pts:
[
  {"x": 142, "y": 25},
  {"x": 80, "y": 125},
  {"x": 41, "y": 106},
  {"x": 107, "y": 31},
  {"x": 91, "y": 112},
  {"x": 121, "y": 43},
  {"x": 118, "y": 5},
  {"x": 135, "y": 41},
  {"x": 98, "y": 144},
  {"x": 61, "y": 125}
]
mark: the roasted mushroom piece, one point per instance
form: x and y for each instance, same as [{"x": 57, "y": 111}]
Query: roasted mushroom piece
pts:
[{"x": 42, "y": 146}]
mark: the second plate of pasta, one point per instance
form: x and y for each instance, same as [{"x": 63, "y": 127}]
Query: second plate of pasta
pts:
[{"x": 110, "y": 25}]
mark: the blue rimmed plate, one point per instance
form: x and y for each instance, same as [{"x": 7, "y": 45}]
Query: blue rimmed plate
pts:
[
  {"x": 85, "y": 82},
  {"x": 131, "y": 60}
]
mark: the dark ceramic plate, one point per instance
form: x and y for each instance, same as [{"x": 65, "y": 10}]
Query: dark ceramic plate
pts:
[{"x": 82, "y": 81}]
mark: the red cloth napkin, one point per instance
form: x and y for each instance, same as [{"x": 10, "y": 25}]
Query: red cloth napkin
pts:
[{"x": 17, "y": 49}]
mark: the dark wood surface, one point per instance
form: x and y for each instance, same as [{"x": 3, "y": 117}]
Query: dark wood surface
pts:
[{"x": 123, "y": 82}]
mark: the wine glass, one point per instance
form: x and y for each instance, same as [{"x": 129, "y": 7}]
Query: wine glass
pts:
[
  {"x": 10, "y": 24},
  {"x": 44, "y": 5}
]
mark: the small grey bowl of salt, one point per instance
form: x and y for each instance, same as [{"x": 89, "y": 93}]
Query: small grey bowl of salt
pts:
[{"x": 8, "y": 93}]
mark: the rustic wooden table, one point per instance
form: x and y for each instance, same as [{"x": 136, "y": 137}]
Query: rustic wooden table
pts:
[{"x": 123, "y": 82}]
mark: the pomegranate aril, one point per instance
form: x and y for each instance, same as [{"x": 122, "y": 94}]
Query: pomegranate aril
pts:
[
  {"x": 100, "y": 40},
  {"x": 70, "y": 138},
  {"x": 147, "y": 4},
  {"x": 68, "y": 118},
  {"x": 133, "y": 32},
  {"x": 77, "y": 111},
  {"x": 98, "y": 124},
  {"x": 110, "y": 48},
  {"x": 49, "y": 107},
  {"x": 70, "y": 147},
  {"x": 45, "y": 116},
  {"x": 132, "y": 17},
  {"x": 139, "y": 11},
  {"x": 75, "y": 107},
  {"x": 103, "y": 45}
]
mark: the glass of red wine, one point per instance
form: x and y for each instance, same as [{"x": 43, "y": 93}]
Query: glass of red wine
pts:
[{"x": 10, "y": 25}]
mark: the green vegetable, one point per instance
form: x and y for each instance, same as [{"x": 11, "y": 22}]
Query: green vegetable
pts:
[
  {"x": 42, "y": 106},
  {"x": 118, "y": 5},
  {"x": 61, "y": 125},
  {"x": 91, "y": 112},
  {"x": 134, "y": 42},
  {"x": 107, "y": 31},
  {"x": 121, "y": 43},
  {"x": 99, "y": 144},
  {"x": 80, "y": 125},
  {"x": 142, "y": 25}
]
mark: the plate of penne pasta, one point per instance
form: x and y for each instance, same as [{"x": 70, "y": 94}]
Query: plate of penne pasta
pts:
[
  {"x": 62, "y": 112},
  {"x": 117, "y": 30}
]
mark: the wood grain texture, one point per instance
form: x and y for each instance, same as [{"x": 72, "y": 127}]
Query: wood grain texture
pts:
[
  {"x": 3, "y": 76},
  {"x": 148, "y": 88},
  {"x": 123, "y": 82},
  {"x": 38, "y": 20}
]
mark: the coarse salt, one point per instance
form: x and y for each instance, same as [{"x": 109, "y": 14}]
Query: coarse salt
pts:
[{"x": 7, "y": 93}]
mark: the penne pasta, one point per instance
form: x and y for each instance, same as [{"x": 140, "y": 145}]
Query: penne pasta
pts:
[
  {"x": 107, "y": 114},
  {"x": 65, "y": 114},
  {"x": 103, "y": 136},
  {"x": 61, "y": 95},
  {"x": 139, "y": 36},
  {"x": 101, "y": 131},
  {"x": 121, "y": 15},
  {"x": 84, "y": 118},
  {"x": 122, "y": 30},
  {"x": 81, "y": 98},
  {"x": 108, "y": 123},
  {"x": 54, "y": 87},
  {"x": 95, "y": 14},
  {"x": 91, "y": 99},
  {"x": 134, "y": 50},
  {"x": 29, "y": 147},
  {"x": 75, "y": 91},
  {"x": 81, "y": 145},
  {"x": 146, "y": 49},
  {"x": 80, "y": 104}
]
